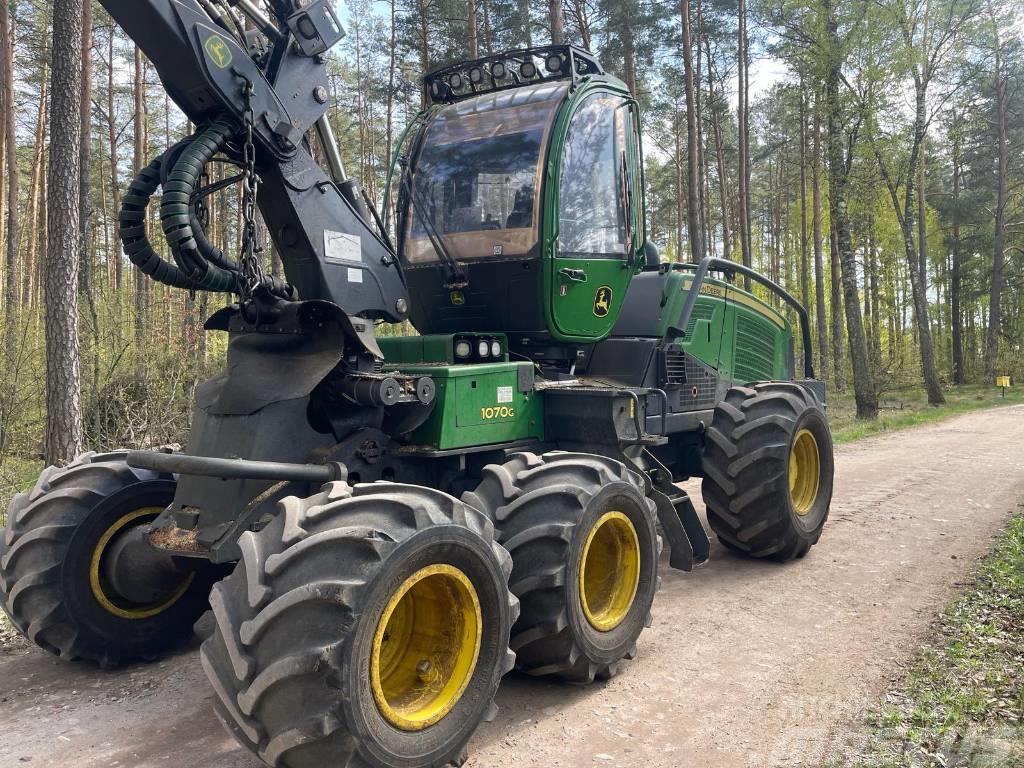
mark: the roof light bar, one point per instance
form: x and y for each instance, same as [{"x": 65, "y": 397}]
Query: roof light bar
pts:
[{"x": 510, "y": 69}]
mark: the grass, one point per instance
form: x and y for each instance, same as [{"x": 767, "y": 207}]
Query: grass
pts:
[
  {"x": 909, "y": 407},
  {"x": 16, "y": 475},
  {"x": 962, "y": 702}
]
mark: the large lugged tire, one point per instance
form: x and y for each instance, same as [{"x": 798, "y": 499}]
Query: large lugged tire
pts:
[
  {"x": 346, "y": 634},
  {"x": 52, "y": 556},
  {"x": 768, "y": 470},
  {"x": 584, "y": 548}
]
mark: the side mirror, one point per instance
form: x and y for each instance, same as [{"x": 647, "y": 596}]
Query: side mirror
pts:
[{"x": 652, "y": 259}]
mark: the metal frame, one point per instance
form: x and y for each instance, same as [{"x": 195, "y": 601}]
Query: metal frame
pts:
[{"x": 710, "y": 263}]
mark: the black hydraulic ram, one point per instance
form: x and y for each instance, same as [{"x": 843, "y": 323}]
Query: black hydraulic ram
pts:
[
  {"x": 711, "y": 263},
  {"x": 241, "y": 469}
]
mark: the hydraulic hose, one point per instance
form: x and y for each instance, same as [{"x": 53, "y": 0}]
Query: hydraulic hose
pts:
[
  {"x": 208, "y": 250},
  {"x": 176, "y": 215},
  {"x": 133, "y": 230}
]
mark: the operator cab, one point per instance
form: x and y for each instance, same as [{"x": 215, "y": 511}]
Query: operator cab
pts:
[{"x": 520, "y": 202}]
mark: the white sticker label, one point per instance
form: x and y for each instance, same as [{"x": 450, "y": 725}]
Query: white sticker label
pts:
[
  {"x": 340, "y": 247},
  {"x": 355, "y": 275},
  {"x": 504, "y": 394}
]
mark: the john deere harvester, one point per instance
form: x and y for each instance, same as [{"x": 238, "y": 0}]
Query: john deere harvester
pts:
[{"x": 385, "y": 526}]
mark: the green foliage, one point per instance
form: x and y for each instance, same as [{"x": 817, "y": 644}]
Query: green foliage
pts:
[{"x": 908, "y": 407}]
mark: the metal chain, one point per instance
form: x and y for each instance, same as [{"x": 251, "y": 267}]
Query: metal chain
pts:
[{"x": 251, "y": 262}]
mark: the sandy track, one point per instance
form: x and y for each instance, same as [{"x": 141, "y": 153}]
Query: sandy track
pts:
[{"x": 747, "y": 664}]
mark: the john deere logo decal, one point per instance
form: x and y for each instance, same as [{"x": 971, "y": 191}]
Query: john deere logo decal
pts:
[
  {"x": 603, "y": 301},
  {"x": 458, "y": 298},
  {"x": 218, "y": 51}
]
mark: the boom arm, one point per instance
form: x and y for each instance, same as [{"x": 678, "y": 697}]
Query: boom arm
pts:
[{"x": 318, "y": 224}]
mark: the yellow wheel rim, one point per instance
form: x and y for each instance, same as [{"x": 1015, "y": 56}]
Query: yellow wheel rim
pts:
[
  {"x": 96, "y": 582},
  {"x": 426, "y": 647},
  {"x": 804, "y": 472},
  {"x": 609, "y": 571}
]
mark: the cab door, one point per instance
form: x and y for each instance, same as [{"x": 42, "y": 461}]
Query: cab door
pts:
[{"x": 599, "y": 217}]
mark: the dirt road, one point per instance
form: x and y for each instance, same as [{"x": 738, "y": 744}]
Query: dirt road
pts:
[{"x": 747, "y": 664}]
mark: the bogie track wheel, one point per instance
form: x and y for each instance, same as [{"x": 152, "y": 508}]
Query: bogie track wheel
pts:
[
  {"x": 64, "y": 579},
  {"x": 363, "y": 627},
  {"x": 584, "y": 548},
  {"x": 768, "y": 470}
]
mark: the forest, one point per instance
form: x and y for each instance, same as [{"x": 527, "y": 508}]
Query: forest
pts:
[{"x": 866, "y": 154}]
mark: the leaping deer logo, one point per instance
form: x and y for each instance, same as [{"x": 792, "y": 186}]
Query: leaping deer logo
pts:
[
  {"x": 603, "y": 301},
  {"x": 218, "y": 50}
]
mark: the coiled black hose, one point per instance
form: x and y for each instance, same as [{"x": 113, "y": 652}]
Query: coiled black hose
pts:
[
  {"x": 133, "y": 230},
  {"x": 176, "y": 215},
  {"x": 209, "y": 251},
  {"x": 133, "y": 227},
  {"x": 198, "y": 264}
]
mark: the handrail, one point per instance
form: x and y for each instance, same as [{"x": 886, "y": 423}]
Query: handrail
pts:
[{"x": 731, "y": 267}]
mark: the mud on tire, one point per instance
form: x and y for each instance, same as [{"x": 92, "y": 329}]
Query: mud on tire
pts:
[
  {"x": 747, "y": 467},
  {"x": 545, "y": 509},
  {"x": 296, "y": 623},
  {"x": 45, "y": 563}
]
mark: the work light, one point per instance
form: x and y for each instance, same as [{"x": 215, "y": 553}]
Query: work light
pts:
[
  {"x": 463, "y": 349},
  {"x": 499, "y": 70},
  {"x": 484, "y": 349},
  {"x": 528, "y": 70},
  {"x": 495, "y": 349}
]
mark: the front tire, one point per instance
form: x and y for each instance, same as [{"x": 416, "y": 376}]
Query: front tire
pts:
[
  {"x": 52, "y": 564},
  {"x": 584, "y": 548},
  {"x": 363, "y": 627},
  {"x": 768, "y": 470}
]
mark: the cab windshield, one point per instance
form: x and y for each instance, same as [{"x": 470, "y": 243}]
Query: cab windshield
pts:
[{"x": 476, "y": 182}]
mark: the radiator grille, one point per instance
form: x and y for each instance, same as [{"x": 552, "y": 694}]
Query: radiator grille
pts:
[
  {"x": 702, "y": 310},
  {"x": 755, "y": 349}
]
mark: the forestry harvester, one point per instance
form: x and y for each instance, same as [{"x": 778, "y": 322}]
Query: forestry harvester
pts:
[{"x": 385, "y": 526}]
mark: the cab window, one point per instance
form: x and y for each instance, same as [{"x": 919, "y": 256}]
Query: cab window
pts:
[{"x": 592, "y": 211}]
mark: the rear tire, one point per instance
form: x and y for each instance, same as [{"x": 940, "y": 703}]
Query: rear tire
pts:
[
  {"x": 302, "y": 659},
  {"x": 758, "y": 501},
  {"x": 52, "y": 589},
  {"x": 555, "y": 514}
]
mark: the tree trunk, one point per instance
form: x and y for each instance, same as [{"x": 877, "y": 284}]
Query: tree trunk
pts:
[
  {"x": 85, "y": 264},
  {"x": 677, "y": 163},
  {"x": 716, "y": 130},
  {"x": 35, "y": 195},
  {"x": 628, "y": 48},
  {"x": 999, "y": 238},
  {"x": 743, "y": 136},
  {"x": 918, "y": 278},
  {"x": 819, "y": 262},
  {"x": 836, "y": 306},
  {"x": 390, "y": 103},
  {"x": 115, "y": 189},
  {"x": 955, "y": 279},
  {"x": 693, "y": 204},
  {"x": 63, "y": 384},
  {"x": 863, "y": 384},
  {"x": 7, "y": 35},
  {"x": 139, "y": 158},
  {"x": 557, "y": 21},
  {"x": 804, "y": 265},
  {"x": 471, "y": 29},
  {"x": 524, "y": 18}
]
